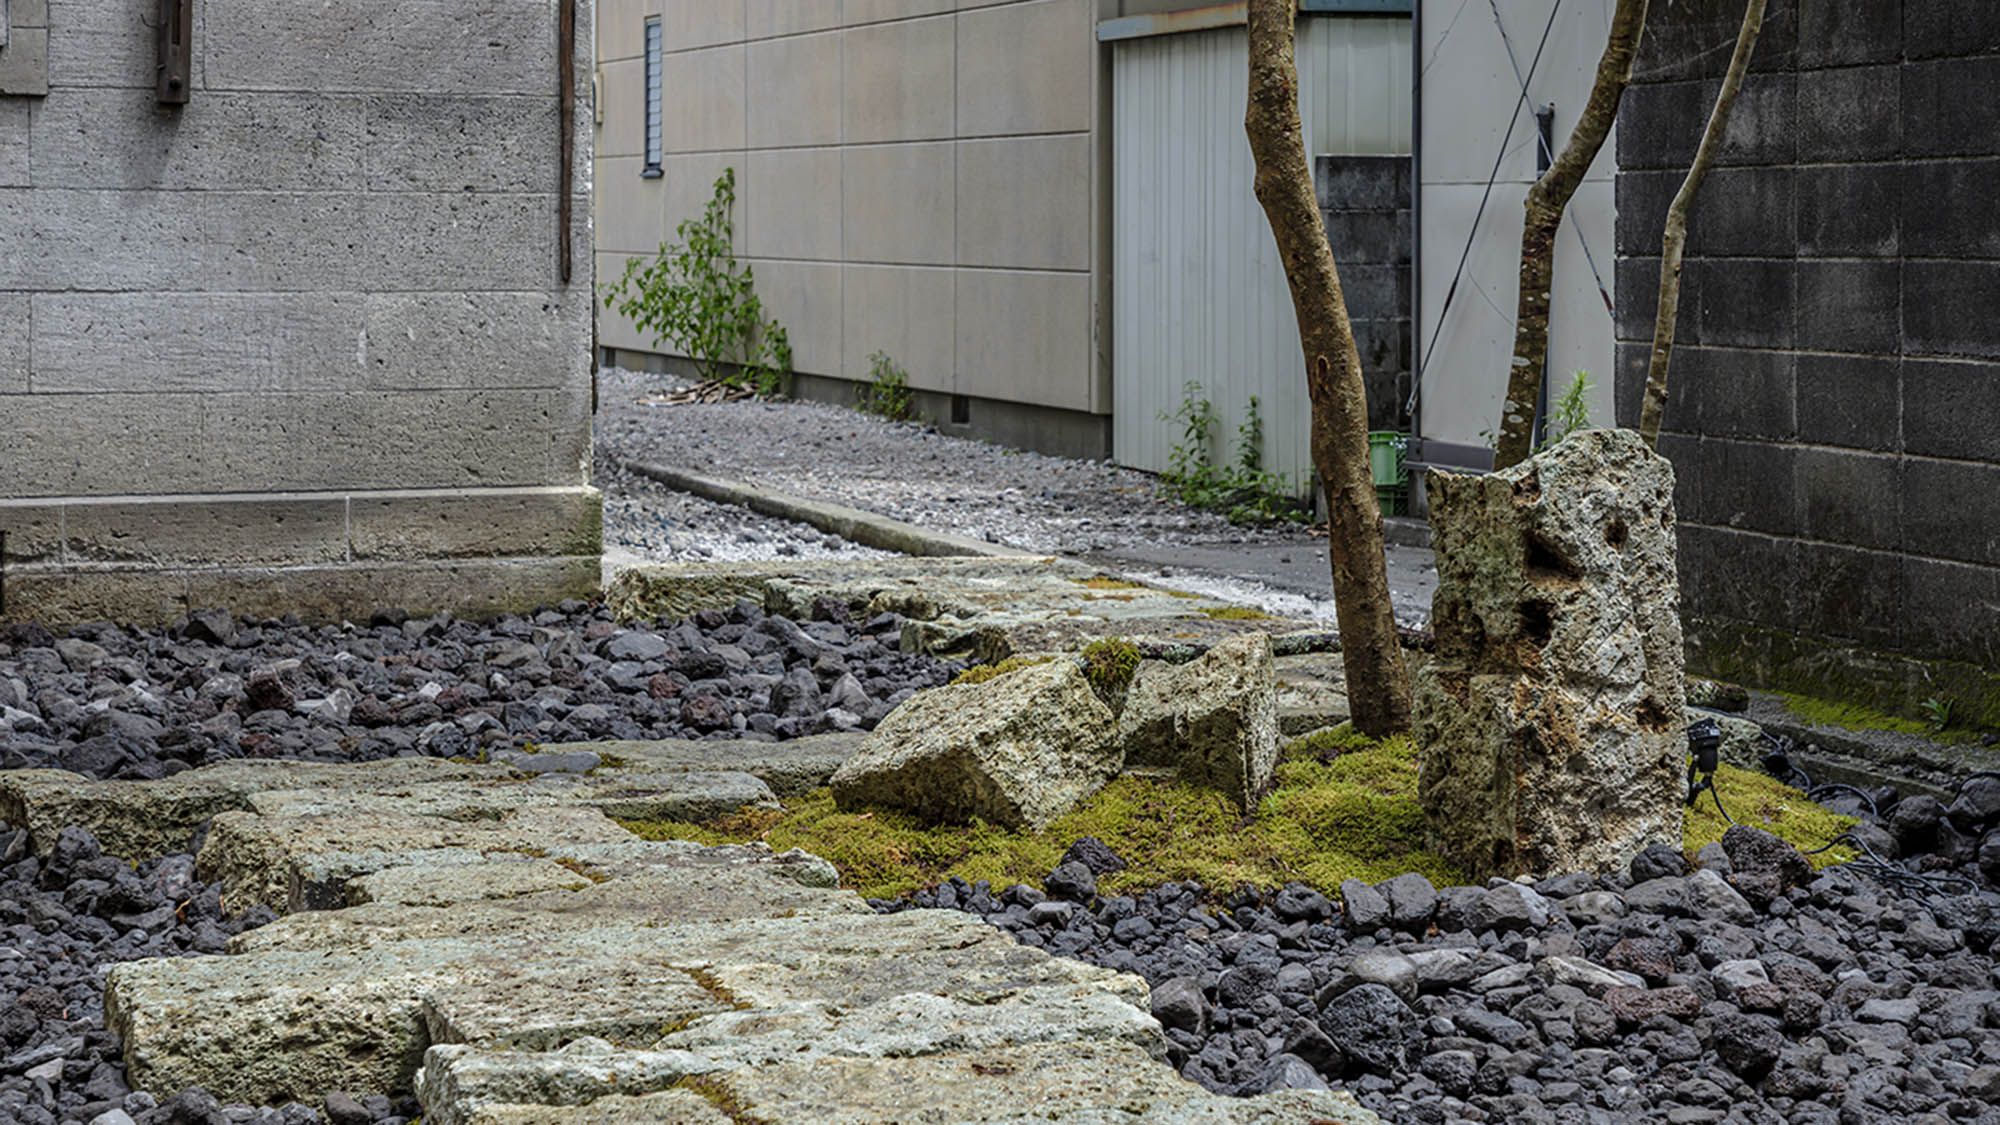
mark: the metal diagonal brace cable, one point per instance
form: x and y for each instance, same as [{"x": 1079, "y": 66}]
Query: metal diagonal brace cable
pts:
[
  {"x": 1542, "y": 143},
  {"x": 1423, "y": 358}
]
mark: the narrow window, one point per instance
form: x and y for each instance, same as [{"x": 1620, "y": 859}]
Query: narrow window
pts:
[{"x": 652, "y": 98}]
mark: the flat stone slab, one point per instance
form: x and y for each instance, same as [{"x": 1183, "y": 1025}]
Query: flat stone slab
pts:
[
  {"x": 1067, "y": 1080},
  {"x": 668, "y": 1107},
  {"x": 258, "y": 859},
  {"x": 632, "y": 795},
  {"x": 502, "y": 947},
  {"x": 1312, "y": 693},
  {"x": 140, "y": 820},
  {"x": 789, "y": 768},
  {"x": 983, "y": 609}
]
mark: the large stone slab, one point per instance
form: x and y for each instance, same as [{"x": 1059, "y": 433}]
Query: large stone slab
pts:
[
  {"x": 1551, "y": 716},
  {"x": 1018, "y": 750},
  {"x": 266, "y": 859},
  {"x": 789, "y": 768},
  {"x": 1213, "y": 720},
  {"x": 142, "y": 819},
  {"x": 631, "y": 795}
]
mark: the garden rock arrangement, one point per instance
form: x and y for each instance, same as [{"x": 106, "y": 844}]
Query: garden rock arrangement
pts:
[
  {"x": 1551, "y": 716},
  {"x": 544, "y": 965},
  {"x": 1213, "y": 720},
  {"x": 1018, "y": 750},
  {"x": 1746, "y": 989},
  {"x": 113, "y": 702}
]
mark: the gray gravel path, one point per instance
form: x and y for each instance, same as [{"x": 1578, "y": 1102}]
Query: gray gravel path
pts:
[{"x": 1113, "y": 516}]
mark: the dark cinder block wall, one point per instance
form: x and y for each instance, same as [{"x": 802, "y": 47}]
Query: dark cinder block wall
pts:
[
  {"x": 1834, "y": 411},
  {"x": 1365, "y": 203}
]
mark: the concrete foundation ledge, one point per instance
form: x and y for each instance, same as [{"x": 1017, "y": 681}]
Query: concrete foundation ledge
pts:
[
  {"x": 317, "y": 554},
  {"x": 472, "y": 588}
]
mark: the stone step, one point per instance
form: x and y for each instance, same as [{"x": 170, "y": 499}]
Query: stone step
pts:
[
  {"x": 140, "y": 820},
  {"x": 1072, "y": 1080},
  {"x": 637, "y": 795},
  {"x": 789, "y": 768}
]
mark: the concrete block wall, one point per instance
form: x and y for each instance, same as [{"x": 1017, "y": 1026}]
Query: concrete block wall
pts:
[
  {"x": 1365, "y": 203},
  {"x": 299, "y": 342},
  {"x": 1835, "y": 393},
  {"x": 919, "y": 177}
]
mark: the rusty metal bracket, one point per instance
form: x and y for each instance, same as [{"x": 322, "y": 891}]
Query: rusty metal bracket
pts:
[
  {"x": 565, "y": 130},
  {"x": 174, "y": 37}
]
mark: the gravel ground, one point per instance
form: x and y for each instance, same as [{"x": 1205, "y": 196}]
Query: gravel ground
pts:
[
  {"x": 905, "y": 470},
  {"x": 1748, "y": 990}
]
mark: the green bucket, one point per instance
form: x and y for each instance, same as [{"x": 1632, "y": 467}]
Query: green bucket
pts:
[
  {"x": 1394, "y": 499},
  {"x": 1385, "y": 459}
]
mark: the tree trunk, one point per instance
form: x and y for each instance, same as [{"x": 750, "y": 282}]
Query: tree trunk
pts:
[
  {"x": 1378, "y": 692},
  {"x": 1674, "y": 239},
  {"x": 1546, "y": 200}
]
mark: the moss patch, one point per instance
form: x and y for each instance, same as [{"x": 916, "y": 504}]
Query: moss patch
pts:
[
  {"x": 1854, "y": 716},
  {"x": 1110, "y": 665},
  {"x": 1235, "y": 613},
  {"x": 1763, "y": 802},
  {"x": 1106, "y": 582},
  {"x": 980, "y": 673},
  {"x": 1344, "y": 807}
]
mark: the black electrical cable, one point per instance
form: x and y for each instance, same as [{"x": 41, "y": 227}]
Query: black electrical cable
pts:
[{"x": 1813, "y": 793}]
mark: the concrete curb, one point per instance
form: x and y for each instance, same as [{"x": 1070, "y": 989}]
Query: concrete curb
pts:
[{"x": 853, "y": 524}]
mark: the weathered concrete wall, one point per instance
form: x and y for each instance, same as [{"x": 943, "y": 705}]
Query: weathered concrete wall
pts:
[
  {"x": 920, "y": 178},
  {"x": 277, "y": 345},
  {"x": 1835, "y": 389}
]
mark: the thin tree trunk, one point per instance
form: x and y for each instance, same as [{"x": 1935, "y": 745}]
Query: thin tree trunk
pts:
[
  {"x": 1546, "y": 200},
  {"x": 1378, "y": 692},
  {"x": 1674, "y": 240}
]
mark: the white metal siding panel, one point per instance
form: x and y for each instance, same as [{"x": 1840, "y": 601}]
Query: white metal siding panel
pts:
[{"x": 1198, "y": 294}]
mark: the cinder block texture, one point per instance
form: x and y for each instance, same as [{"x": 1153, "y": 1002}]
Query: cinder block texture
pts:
[
  {"x": 1835, "y": 384},
  {"x": 334, "y": 269}
]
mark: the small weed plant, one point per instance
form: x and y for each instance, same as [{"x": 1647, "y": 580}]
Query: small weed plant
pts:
[
  {"x": 888, "y": 391},
  {"x": 1243, "y": 491},
  {"x": 696, "y": 299},
  {"x": 1937, "y": 712},
  {"x": 1570, "y": 413}
]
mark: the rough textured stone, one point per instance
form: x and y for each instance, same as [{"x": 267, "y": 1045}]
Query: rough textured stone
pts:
[
  {"x": 139, "y": 820},
  {"x": 1214, "y": 720},
  {"x": 1018, "y": 750},
  {"x": 1551, "y": 718}
]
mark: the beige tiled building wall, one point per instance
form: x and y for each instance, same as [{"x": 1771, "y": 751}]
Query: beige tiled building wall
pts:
[{"x": 920, "y": 177}]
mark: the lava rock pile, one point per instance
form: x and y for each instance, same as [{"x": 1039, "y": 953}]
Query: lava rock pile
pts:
[
  {"x": 119, "y": 702},
  {"x": 1746, "y": 989}
]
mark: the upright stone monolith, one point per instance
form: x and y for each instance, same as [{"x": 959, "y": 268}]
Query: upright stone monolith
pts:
[{"x": 1550, "y": 720}]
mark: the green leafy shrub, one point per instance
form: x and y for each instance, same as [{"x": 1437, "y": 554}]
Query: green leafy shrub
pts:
[
  {"x": 697, "y": 300},
  {"x": 888, "y": 390},
  {"x": 1244, "y": 491}
]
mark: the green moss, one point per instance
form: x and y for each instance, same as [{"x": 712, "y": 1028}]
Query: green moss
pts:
[
  {"x": 980, "y": 673},
  {"x": 1855, "y": 716},
  {"x": 1106, "y": 582},
  {"x": 1764, "y": 802},
  {"x": 712, "y": 1089},
  {"x": 1344, "y": 807},
  {"x": 1235, "y": 613},
  {"x": 1326, "y": 743},
  {"x": 1109, "y": 665}
]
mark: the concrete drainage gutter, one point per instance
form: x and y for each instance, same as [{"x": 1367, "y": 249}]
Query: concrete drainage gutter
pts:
[{"x": 852, "y": 524}]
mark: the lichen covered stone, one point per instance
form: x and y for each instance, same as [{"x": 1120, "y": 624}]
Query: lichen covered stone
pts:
[
  {"x": 1550, "y": 721},
  {"x": 1016, "y": 751}
]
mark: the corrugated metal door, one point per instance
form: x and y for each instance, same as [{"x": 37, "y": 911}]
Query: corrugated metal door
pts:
[{"x": 1198, "y": 294}]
